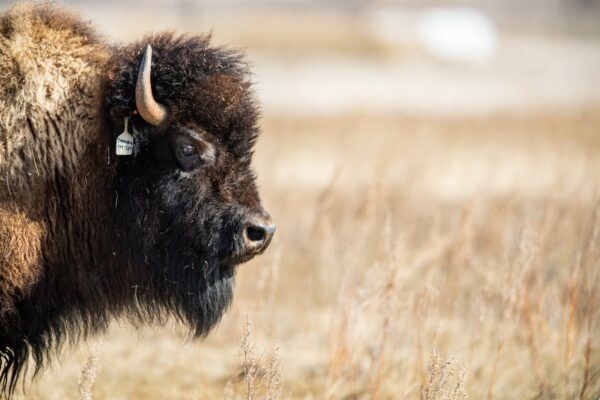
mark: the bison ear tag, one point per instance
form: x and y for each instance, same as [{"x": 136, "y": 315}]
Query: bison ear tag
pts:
[{"x": 124, "y": 144}]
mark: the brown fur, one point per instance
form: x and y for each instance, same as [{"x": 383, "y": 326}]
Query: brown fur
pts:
[
  {"x": 20, "y": 244},
  {"x": 86, "y": 236},
  {"x": 46, "y": 57}
]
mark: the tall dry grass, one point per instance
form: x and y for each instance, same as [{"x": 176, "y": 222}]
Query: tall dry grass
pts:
[{"x": 88, "y": 374}]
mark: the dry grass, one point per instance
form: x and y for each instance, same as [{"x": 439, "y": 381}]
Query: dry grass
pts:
[
  {"x": 478, "y": 237},
  {"x": 88, "y": 375},
  {"x": 260, "y": 379},
  {"x": 438, "y": 385}
]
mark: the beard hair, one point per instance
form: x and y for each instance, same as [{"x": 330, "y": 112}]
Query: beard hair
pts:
[
  {"x": 196, "y": 296},
  {"x": 203, "y": 310}
]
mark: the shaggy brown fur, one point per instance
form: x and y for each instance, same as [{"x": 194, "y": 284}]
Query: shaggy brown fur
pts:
[
  {"x": 20, "y": 243},
  {"x": 46, "y": 58},
  {"x": 86, "y": 236}
]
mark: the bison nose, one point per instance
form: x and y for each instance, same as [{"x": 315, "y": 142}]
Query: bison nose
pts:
[{"x": 257, "y": 234}]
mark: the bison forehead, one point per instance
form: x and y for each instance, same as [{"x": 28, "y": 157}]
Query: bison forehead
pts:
[
  {"x": 199, "y": 83},
  {"x": 221, "y": 103}
]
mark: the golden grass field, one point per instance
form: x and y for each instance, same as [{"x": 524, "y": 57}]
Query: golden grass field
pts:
[
  {"x": 432, "y": 258},
  {"x": 418, "y": 255}
]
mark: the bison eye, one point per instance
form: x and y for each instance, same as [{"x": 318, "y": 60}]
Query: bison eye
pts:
[{"x": 188, "y": 150}]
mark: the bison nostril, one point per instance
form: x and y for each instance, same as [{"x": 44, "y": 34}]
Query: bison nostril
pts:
[{"x": 256, "y": 233}]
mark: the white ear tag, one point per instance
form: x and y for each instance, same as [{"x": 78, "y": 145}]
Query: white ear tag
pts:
[{"x": 124, "y": 145}]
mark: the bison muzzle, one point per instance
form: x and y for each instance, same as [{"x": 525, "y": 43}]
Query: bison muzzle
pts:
[{"x": 86, "y": 235}]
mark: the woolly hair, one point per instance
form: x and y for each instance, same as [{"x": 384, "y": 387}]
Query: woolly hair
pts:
[
  {"x": 68, "y": 254},
  {"x": 51, "y": 66},
  {"x": 47, "y": 56},
  {"x": 199, "y": 83}
]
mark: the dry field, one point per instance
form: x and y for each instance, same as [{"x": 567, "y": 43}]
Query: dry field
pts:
[{"x": 431, "y": 258}]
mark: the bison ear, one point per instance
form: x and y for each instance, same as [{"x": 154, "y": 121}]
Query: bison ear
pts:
[
  {"x": 151, "y": 111},
  {"x": 117, "y": 115}
]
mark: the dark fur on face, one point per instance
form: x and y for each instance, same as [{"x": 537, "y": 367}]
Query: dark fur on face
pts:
[
  {"x": 187, "y": 219},
  {"x": 199, "y": 84},
  {"x": 147, "y": 236}
]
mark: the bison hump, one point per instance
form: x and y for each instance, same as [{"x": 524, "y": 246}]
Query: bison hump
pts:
[{"x": 51, "y": 65}]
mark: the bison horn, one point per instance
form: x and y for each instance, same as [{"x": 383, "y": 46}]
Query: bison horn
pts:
[{"x": 153, "y": 112}]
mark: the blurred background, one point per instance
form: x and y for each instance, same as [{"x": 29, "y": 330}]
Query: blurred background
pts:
[{"x": 434, "y": 170}]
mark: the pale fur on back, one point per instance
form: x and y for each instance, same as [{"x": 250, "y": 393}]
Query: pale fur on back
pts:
[
  {"x": 50, "y": 95},
  {"x": 49, "y": 68}
]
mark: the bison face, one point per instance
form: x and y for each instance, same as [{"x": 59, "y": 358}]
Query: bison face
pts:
[
  {"x": 189, "y": 210},
  {"x": 208, "y": 193}
]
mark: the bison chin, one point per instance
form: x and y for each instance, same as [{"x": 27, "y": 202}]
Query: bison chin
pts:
[
  {"x": 201, "y": 305},
  {"x": 196, "y": 293}
]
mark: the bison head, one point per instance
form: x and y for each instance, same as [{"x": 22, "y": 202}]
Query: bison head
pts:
[
  {"x": 86, "y": 237},
  {"x": 187, "y": 210}
]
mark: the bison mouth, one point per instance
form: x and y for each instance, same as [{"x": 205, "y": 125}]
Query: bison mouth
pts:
[
  {"x": 234, "y": 260},
  {"x": 238, "y": 257}
]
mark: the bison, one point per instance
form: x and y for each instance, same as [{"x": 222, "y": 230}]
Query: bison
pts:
[{"x": 86, "y": 235}]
